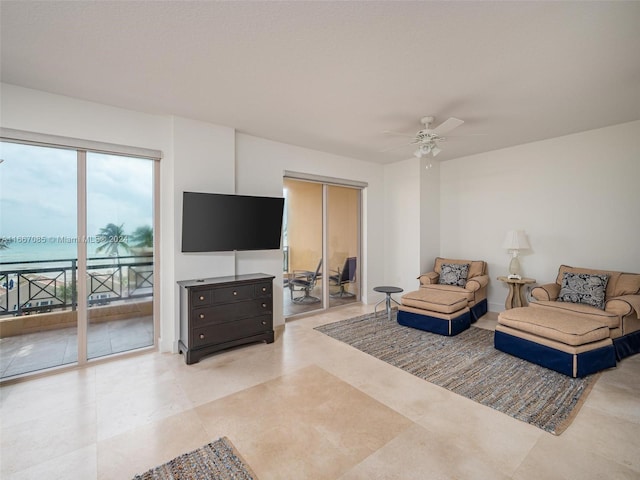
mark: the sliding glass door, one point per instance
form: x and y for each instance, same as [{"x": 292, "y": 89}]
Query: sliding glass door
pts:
[
  {"x": 38, "y": 258},
  {"x": 321, "y": 242},
  {"x": 120, "y": 254},
  {"x": 76, "y": 255},
  {"x": 302, "y": 243},
  {"x": 343, "y": 240}
]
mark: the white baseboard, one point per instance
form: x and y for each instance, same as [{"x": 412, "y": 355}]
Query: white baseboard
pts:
[{"x": 496, "y": 307}]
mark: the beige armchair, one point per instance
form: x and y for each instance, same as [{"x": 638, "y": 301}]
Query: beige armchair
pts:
[
  {"x": 621, "y": 306},
  {"x": 474, "y": 290},
  {"x": 449, "y": 299}
]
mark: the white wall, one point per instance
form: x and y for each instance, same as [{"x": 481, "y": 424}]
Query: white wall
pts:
[
  {"x": 429, "y": 213},
  {"x": 204, "y": 155},
  {"x": 402, "y": 229},
  {"x": 577, "y": 197},
  {"x": 412, "y": 226},
  {"x": 37, "y": 111}
]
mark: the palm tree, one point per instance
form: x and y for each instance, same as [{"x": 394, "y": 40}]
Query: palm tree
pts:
[
  {"x": 143, "y": 236},
  {"x": 112, "y": 238}
]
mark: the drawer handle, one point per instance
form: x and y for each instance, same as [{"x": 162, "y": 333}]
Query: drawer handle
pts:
[
  {"x": 235, "y": 293},
  {"x": 201, "y": 315},
  {"x": 264, "y": 323},
  {"x": 202, "y": 336},
  {"x": 264, "y": 305},
  {"x": 264, "y": 289},
  {"x": 201, "y": 297}
]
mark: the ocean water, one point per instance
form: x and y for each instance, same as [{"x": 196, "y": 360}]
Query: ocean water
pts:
[{"x": 19, "y": 251}]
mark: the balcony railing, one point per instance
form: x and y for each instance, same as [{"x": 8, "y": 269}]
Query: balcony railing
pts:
[{"x": 40, "y": 286}]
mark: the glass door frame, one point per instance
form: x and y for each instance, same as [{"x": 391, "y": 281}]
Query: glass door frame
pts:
[
  {"x": 326, "y": 182},
  {"x": 82, "y": 147},
  {"x": 326, "y": 231}
]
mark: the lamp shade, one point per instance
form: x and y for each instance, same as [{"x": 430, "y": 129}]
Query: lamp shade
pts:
[{"x": 515, "y": 240}]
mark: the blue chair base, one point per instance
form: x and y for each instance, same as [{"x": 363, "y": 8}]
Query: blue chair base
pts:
[
  {"x": 435, "y": 324},
  {"x": 478, "y": 310},
  {"x": 627, "y": 345},
  {"x": 586, "y": 363}
]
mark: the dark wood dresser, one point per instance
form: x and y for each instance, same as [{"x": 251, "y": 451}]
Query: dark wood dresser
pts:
[{"x": 222, "y": 312}]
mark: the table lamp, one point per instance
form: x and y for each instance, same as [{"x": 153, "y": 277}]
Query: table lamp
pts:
[{"x": 514, "y": 241}]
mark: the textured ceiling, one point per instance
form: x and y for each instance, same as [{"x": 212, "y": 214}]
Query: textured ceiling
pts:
[{"x": 333, "y": 76}]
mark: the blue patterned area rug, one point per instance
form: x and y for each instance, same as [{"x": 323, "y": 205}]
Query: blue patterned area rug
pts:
[
  {"x": 469, "y": 365},
  {"x": 218, "y": 460}
]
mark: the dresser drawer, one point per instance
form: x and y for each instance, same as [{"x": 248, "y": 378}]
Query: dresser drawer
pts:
[
  {"x": 231, "y": 312},
  {"x": 225, "y": 332},
  {"x": 201, "y": 297},
  {"x": 233, "y": 294},
  {"x": 263, "y": 289}
]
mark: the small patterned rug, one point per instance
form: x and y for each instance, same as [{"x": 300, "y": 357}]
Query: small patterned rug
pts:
[
  {"x": 218, "y": 460},
  {"x": 469, "y": 365}
]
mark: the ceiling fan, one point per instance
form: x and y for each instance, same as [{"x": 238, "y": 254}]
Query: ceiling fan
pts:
[{"x": 427, "y": 138}]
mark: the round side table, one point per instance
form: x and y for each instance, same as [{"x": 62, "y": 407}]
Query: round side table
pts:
[
  {"x": 514, "y": 299},
  {"x": 388, "y": 290}
]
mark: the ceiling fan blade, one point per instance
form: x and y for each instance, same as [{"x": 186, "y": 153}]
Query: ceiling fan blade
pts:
[
  {"x": 398, "y": 134},
  {"x": 447, "y": 126},
  {"x": 468, "y": 135},
  {"x": 396, "y": 146},
  {"x": 458, "y": 137}
]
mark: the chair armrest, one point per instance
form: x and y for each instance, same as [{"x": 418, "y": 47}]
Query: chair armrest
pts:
[
  {"x": 623, "y": 305},
  {"x": 429, "y": 278},
  {"x": 548, "y": 291},
  {"x": 302, "y": 275},
  {"x": 335, "y": 277},
  {"x": 476, "y": 283}
]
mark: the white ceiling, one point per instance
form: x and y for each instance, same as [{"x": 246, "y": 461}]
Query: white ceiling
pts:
[{"x": 333, "y": 76}]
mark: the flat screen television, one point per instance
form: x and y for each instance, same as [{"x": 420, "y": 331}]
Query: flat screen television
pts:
[{"x": 215, "y": 222}]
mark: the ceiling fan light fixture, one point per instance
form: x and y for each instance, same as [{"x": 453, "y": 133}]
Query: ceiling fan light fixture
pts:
[
  {"x": 423, "y": 150},
  {"x": 427, "y": 138},
  {"x": 427, "y": 149}
]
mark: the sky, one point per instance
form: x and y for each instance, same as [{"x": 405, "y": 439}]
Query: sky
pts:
[{"x": 38, "y": 192}]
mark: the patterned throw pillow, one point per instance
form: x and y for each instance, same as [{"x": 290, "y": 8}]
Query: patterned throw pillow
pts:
[
  {"x": 584, "y": 288},
  {"x": 454, "y": 274}
]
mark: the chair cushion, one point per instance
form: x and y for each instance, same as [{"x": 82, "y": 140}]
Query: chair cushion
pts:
[
  {"x": 454, "y": 274},
  {"x": 459, "y": 291},
  {"x": 628, "y": 284},
  {"x": 435, "y": 300},
  {"x": 610, "y": 319},
  {"x": 612, "y": 284},
  {"x": 476, "y": 267},
  {"x": 563, "y": 327},
  {"x": 584, "y": 288}
]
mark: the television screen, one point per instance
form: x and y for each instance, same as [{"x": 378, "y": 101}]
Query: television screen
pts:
[{"x": 214, "y": 222}]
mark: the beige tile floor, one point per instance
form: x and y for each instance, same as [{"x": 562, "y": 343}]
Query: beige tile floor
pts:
[{"x": 304, "y": 407}]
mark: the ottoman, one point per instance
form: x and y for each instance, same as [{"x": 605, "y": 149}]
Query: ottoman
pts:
[
  {"x": 440, "y": 312},
  {"x": 567, "y": 343}
]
